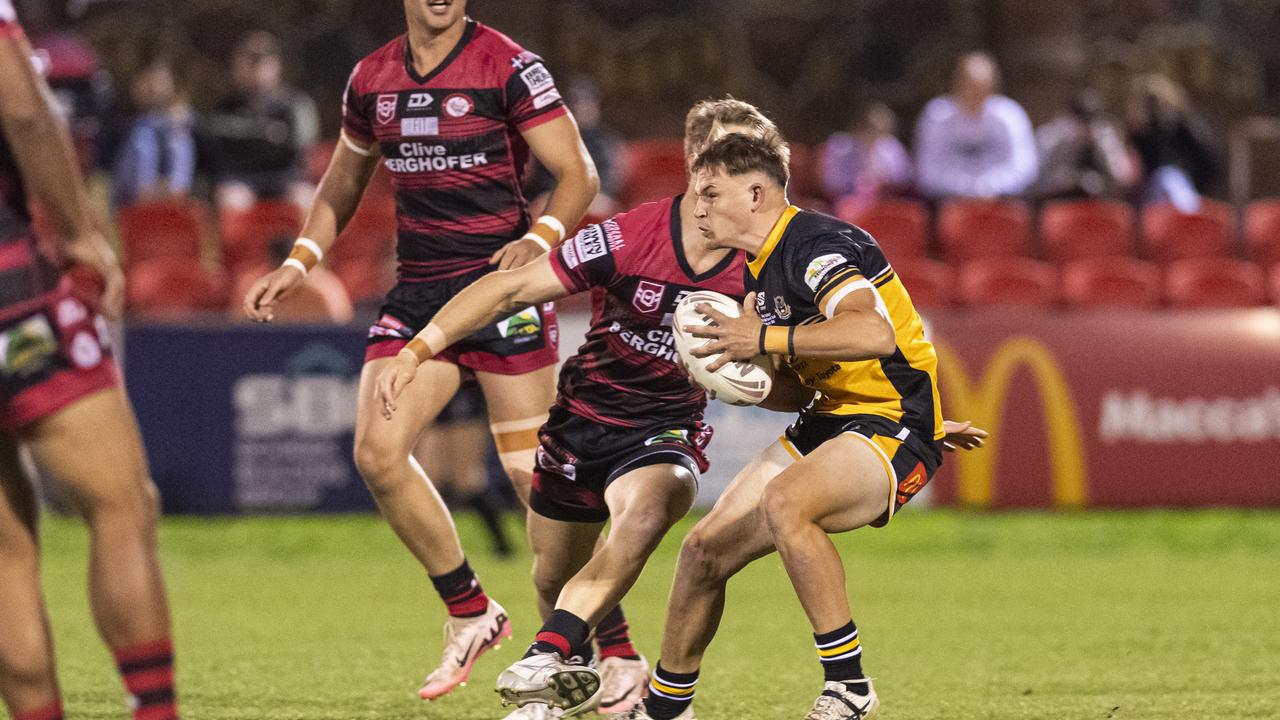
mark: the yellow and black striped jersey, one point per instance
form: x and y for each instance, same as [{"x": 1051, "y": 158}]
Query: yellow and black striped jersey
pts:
[{"x": 806, "y": 266}]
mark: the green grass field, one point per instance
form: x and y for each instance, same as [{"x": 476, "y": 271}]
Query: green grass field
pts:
[{"x": 1097, "y": 615}]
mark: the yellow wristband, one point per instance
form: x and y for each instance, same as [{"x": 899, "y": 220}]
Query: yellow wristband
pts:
[
  {"x": 776, "y": 340},
  {"x": 306, "y": 253}
]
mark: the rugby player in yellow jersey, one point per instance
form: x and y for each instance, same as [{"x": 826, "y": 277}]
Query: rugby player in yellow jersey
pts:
[{"x": 851, "y": 352}]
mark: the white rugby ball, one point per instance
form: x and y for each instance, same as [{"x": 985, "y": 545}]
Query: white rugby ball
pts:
[{"x": 742, "y": 382}]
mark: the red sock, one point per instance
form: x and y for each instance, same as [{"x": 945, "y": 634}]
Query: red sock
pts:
[
  {"x": 147, "y": 670},
  {"x": 613, "y": 638},
  {"x": 461, "y": 592},
  {"x": 52, "y": 712}
]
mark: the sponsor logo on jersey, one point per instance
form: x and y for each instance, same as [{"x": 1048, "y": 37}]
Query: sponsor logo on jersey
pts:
[
  {"x": 537, "y": 78},
  {"x": 569, "y": 253},
  {"x": 525, "y": 323},
  {"x": 591, "y": 244},
  {"x": 648, "y": 297},
  {"x": 546, "y": 98},
  {"x": 417, "y": 101},
  {"x": 458, "y": 105},
  {"x": 674, "y": 435},
  {"x": 819, "y": 267},
  {"x": 781, "y": 307},
  {"x": 419, "y": 126},
  {"x": 386, "y": 107},
  {"x": 26, "y": 348},
  {"x": 658, "y": 342}
]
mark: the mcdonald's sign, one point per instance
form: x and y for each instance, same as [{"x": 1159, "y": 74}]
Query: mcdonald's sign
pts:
[{"x": 1112, "y": 410}]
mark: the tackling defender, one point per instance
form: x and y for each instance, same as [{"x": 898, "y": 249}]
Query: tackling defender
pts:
[
  {"x": 822, "y": 298},
  {"x": 61, "y": 398},
  {"x": 452, "y": 109}
]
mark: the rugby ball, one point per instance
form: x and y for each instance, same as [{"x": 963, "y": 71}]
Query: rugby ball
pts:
[{"x": 742, "y": 382}]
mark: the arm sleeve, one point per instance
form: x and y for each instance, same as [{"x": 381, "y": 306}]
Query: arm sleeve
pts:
[
  {"x": 531, "y": 94},
  {"x": 356, "y": 121},
  {"x": 585, "y": 260},
  {"x": 835, "y": 266}
]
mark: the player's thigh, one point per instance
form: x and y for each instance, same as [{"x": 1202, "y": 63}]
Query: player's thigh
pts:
[
  {"x": 379, "y": 442},
  {"x": 844, "y": 484},
  {"x": 644, "y": 503},
  {"x": 560, "y": 549},
  {"x": 517, "y": 397},
  {"x": 93, "y": 448}
]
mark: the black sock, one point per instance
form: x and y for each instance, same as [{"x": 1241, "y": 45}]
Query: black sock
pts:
[
  {"x": 562, "y": 633},
  {"x": 669, "y": 693},
  {"x": 461, "y": 592},
  {"x": 841, "y": 656}
]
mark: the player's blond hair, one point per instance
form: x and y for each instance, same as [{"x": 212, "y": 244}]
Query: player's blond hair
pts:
[{"x": 729, "y": 111}]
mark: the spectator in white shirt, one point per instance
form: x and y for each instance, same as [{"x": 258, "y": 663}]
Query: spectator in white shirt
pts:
[{"x": 973, "y": 142}]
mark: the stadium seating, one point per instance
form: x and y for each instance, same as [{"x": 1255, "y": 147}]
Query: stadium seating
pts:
[
  {"x": 652, "y": 170},
  {"x": 805, "y": 169},
  {"x": 900, "y": 226},
  {"x": 1275, "y": 284},
  {"x": 972, "y": 229},
  {"x": 1214, "y": 282},
  {"x": 169, "y": 229},
  {"x": 1007, "y": 281},
  {"x": 1075, "y": 229},
  {"x": 247, "y": 234},
  {"x": 1111, "y": 282},
  {"x": 1171, "y": 235},
  {"x": 930, "y": 283},
  {"x": 317, "y": 161},
  {"x": 170, "y": 287},
  {"x": 1262, "y": 231}
]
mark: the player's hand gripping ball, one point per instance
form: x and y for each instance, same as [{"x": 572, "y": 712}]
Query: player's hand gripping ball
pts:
[{"x": 737, "y": 382}]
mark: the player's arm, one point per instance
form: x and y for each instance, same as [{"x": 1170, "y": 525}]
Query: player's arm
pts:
[
  {"x": 44, "y": 155},
  {"x": 336, "y": 201},
  {"x": 479, "y": 305},
  {"x": 559, "y": 147}
]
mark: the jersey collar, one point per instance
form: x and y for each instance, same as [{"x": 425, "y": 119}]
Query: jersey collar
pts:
[
  {"x": 677, "y": 244},
  {"x": 757, "y": 263},
  {"x": 453, "y": 55}
]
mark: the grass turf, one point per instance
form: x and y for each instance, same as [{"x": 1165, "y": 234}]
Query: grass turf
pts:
[{"x": 1091, "y": 615}]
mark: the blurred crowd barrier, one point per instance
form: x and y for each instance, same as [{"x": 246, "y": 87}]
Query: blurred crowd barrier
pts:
[{"x": 1107, "y": 409}]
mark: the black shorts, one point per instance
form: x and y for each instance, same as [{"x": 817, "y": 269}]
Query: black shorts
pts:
[
  {"x": 578, "y": 458},
  {"x": 911, "y": 459},
  {"x": 514, "y": 345}
]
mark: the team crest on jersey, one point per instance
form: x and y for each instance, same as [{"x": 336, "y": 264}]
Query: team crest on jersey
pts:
[
  {"x": 781, "y": 307},
  {"x": 458, "y": 105},
  {"x": 819, "y": 267},
  {"x": 386, "y": 107},
  {"x": 648, "y": 297}
]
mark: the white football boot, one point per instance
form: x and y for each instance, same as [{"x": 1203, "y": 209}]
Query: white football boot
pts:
[
  {"x": 837, "y": 703},
  {"x": 545, "y": 678},
  {"x": 624, "y": 683},
  {"x": 639, "y": 713},
  {"x": 465, "y": 640}
]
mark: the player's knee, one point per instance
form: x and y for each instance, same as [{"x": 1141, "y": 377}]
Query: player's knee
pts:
[
  {"x": 781, "y": 508},
  {"x": 135, "y": 504},
  {"x": 638, "y": 532},
  {"x": 700, "y": 559},
  {"x": 549, "y": 579},
  {"x": 24, "y": 661},
  {"x": 376, "y": 462}
]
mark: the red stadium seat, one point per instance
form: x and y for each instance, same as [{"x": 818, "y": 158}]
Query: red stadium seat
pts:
[
  {"x": 930, "y": 283},
  {"x": 652, "y": 170},
  {"x": 1075, "y": 229},
  {"x": 247, "y": 234},
  {"x": 173, "y": 287},
  {"x": 1214, "y": 282},
  {"x": 972, "y": 229},
  {"x": 805, "y": 182},
  {"x": 1007, "y": 281},
  {"x": 1275, "y": 284},
  {"x": 366, "y": 278},
  {"x": 169, "y": 229},
  {"x": 1111, "y": 282},
  {"x": 900, "y": 226},
  {"x": 1172, "y": 235},
  {"x": 372, "y": 230},
  {"x": 1262, "y": 231},
  {"x": 318, "y": 156}
]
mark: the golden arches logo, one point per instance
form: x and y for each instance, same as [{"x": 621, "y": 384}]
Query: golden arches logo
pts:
[{"x": 983, "y": 400}]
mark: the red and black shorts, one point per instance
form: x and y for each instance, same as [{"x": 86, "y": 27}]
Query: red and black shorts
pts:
[
  {"x": 50, "y": 358},
  {"x": 578, "y": 459},
  {"x": 910, "y": 460},
  {"x": 521, "y": 343}
]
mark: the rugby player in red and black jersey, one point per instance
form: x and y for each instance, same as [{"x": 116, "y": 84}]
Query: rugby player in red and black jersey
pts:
[
  {"x": 453, "y": 109},
  {"x": 625, "y": 438},
  {"x": 61, "y": 398}
]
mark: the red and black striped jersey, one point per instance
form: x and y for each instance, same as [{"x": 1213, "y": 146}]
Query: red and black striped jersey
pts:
[
  {"x": 26, "y": 275},
  {"x": 627, "y": 372},
  {"x": 452, "y": 142}
]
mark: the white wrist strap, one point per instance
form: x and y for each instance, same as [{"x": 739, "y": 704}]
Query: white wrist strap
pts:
[
  {"x": 554, "y": 223},
  {"x": 296, "y": 264},
  {"x": 546, "y": 247}
]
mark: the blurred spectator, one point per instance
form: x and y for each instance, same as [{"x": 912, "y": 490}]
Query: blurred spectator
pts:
[
  {"x": 603, "y": 143},
  {"x": 1083, "y": 153},
  {"x": 866, "y": 162},
  {"x": 1174, "y": 143},
  {"x": 158, "y": 157},
  {"x": 973, "y": 142},
  {"x": 261, "y": 130}
]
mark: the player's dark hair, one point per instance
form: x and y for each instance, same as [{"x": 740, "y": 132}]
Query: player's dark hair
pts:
[
  {"x": 724, "y": 111},
  {"x": 738, "y": 154}
]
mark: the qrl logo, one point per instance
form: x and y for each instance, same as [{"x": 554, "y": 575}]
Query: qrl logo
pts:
[
  {"x": 387, "y": 107},
  {"x": 648, "y": 297}
]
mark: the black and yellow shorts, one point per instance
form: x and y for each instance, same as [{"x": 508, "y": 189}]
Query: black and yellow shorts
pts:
[{"x": 910, "y": 460}]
